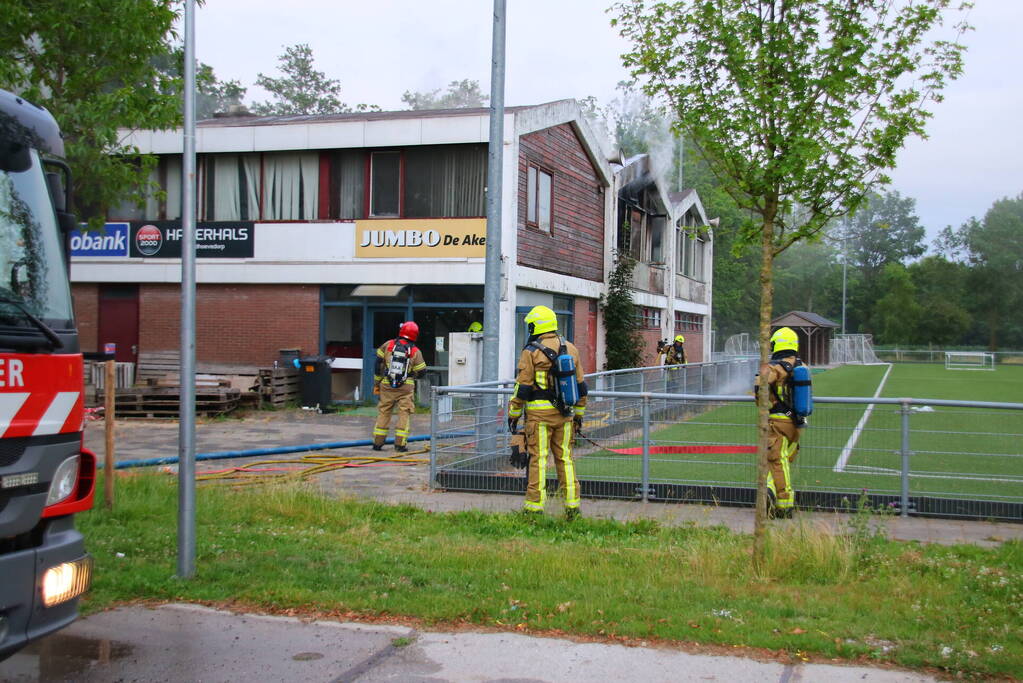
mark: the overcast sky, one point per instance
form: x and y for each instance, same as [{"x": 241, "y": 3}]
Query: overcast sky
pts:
[{"x": 566, "y": 48}]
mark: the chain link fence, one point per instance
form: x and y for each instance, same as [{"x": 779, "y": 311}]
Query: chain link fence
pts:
[{"x": 688, "y": 434}]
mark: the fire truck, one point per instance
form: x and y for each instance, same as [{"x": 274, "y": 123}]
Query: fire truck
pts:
[{"x": 46, "y": 474}]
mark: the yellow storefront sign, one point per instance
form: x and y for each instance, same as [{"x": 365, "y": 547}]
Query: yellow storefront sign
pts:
[{"x": 413, "y": 238}]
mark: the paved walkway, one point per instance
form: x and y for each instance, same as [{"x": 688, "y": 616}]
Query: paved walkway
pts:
[
  {"x": 191, "y": 643},
  {"x": 137, "y": 440}
]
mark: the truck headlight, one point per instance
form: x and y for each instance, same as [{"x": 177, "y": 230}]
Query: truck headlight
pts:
[
  {"x": 63, "y": 484},
  {"x": 67, "y": 581}
]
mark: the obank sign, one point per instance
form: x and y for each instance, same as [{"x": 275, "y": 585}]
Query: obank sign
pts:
[{"x": 112, "y": 240}]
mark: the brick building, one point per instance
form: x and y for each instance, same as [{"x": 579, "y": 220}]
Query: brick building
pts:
[{"x": 323, "y": 233}]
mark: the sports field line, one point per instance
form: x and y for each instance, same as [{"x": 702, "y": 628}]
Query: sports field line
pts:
[
  {"x": 843, "y": 458},
  {"x": 885, "y": 471}
]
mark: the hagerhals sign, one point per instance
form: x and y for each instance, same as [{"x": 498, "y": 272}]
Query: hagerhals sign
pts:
[
  {"x": 414, "y": 238},
  {"x": 162, "y": 239}
]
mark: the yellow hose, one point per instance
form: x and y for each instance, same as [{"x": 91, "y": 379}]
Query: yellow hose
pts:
[{"x": 318, "y": 463}]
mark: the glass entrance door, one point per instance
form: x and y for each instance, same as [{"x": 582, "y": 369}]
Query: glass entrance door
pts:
[{"x": 383, "y": 326}]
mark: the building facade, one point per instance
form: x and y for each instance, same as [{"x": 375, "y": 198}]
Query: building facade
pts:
[{"x": 324, "y": 233}]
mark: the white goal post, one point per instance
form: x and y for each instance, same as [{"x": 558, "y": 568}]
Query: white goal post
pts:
[{"x": 969, "y": 360}]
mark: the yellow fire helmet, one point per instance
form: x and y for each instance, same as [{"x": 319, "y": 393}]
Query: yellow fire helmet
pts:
[
  {"x": 476, "y": 326},
  {"x": 541, "y": 319},
  {"x": 680, "y": 339},
  {"x": 784, "y": 339}
]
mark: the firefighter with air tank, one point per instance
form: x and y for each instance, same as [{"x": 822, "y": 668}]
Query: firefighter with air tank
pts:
[
  {"x": 550, "y": 389},
  {"x": 788, "y": 382},
  {"x": 399, "y": 363}
]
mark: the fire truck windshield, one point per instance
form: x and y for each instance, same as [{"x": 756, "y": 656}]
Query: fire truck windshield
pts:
[{"x": 33, "y": 277}]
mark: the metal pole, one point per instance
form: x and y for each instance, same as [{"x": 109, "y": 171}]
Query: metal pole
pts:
[
  {"x": 109, "y": 410},
  {"x": 905, "y": 460},
  {"x": 646, "y": 449},
  {"x": 487, "y": 416},
  {"x": 186, "y": 431},
  {"x": 495, "y": 161},
  {"x": 434, "y": 441},
  {"x": 845, "y": 267}
]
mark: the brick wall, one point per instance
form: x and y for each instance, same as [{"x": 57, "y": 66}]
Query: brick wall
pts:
[
  {"x": 86, "y": 301},
  {"x": 245, "y": 324},
  {"x": 575, "y": 244},
  {"x": 649, "y": 355},
  {"x": 585, "y": 333}
]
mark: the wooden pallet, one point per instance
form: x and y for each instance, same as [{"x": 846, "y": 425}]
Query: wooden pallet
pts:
[
  {"x": 157, "y": 365},
  {"x": 165, "y": 402},
  {"x": 279, "y": 386}
]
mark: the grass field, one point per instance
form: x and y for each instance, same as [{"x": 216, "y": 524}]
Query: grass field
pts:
[
  {"x": 821, "y": 595},
  {"x": 957, "y": 452}
]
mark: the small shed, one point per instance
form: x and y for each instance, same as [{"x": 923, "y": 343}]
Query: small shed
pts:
[{"x": 815, "y": 333}]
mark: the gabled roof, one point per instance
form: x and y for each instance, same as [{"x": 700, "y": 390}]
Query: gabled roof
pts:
[{"x": 802, "y": 319}]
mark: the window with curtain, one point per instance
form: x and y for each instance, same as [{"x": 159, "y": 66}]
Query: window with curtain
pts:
[
  {"x": 539, "y": 202},
  {"x": 348, "y": 183},
  {"x": 445, "y": 182},
  {"x": 291, "y": 186},
  {"x": 170, "y": 177}
]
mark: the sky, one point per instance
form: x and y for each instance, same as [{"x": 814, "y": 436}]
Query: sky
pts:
[{"x": 559, "y": 49}]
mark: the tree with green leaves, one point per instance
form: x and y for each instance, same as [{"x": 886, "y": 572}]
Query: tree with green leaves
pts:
[
  {"x": 798, "y": 106},
  {"x": 459, "y": 95},
  {"x": 993, "y": 249},
  {"x": 93, "y": 66},
  {"x": 942, "y": 293},
  {"x": 897, "y": 312},
  {"x": 624, "y": 347},
  {"x": 301, "y": 89},
  {"x": 214, "y": 95}
]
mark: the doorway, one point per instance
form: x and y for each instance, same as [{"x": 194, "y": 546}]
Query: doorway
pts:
[
  {"x": 383, "y": 326},
  {"x": 119, "y": 321}
]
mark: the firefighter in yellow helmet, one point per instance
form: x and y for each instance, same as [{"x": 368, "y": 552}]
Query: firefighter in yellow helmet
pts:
[
  {"x": 550, "y": 423},
  {"x": 675, "y": 353},
  {"x": 783, "y": 443}
]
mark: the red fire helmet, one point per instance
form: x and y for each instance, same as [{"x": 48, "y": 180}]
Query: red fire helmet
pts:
[{"x": 409, "y": 330}]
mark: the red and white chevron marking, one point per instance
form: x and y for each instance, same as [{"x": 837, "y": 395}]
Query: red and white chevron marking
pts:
[{"x": 40, "y": 394}]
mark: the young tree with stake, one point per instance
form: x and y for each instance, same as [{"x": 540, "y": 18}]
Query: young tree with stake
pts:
[{"x": 797, "y": 106}]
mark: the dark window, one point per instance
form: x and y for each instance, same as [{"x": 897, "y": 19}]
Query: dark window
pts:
[{"x": 385, "y": 184}]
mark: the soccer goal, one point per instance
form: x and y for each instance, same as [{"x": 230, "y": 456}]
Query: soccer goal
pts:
[
  {"x": 969, "y": 360},
  {"x": 853, "y": 348}
]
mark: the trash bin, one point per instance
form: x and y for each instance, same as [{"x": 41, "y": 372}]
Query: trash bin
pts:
[{"x": 314, "y": 383}]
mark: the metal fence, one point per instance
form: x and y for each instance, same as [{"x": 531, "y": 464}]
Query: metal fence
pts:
[{"x": 653, "y": 435}]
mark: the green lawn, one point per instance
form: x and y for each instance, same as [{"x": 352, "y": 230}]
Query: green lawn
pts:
[
  {"x": 818, "y": 595},
  {"x": 956, "y": 451}
]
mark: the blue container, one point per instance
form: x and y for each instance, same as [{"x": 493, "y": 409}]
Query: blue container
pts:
[
  {"x": 802, "y": 392},
  {"x": 567, "y": 386}
]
